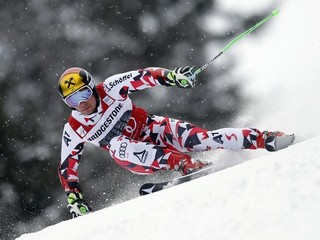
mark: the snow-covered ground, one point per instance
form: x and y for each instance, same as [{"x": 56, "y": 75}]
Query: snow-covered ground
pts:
[{"x": 274, "y": 196}]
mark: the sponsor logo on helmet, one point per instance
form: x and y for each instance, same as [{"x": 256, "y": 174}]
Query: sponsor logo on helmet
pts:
[
  {"x": 114, "y": 83},
  {"x": 70, "y": 83},
  {"x": 108, "y": 122}
]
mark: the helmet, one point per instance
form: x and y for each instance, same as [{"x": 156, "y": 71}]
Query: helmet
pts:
[{"x": 73, "y": 80}]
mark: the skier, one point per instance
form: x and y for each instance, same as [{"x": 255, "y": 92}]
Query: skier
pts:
[{"x": 105, "y": 116}]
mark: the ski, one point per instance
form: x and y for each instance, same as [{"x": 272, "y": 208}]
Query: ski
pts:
[{"x": 148, "y": 188}]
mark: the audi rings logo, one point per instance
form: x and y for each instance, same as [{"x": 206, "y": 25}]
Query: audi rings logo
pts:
[{"x": 122, "y": 150}]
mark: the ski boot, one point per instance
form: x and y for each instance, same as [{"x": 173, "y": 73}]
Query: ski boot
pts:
[
  {"x": 184, "y": 163},
  {"x": 274, "y": 141}
]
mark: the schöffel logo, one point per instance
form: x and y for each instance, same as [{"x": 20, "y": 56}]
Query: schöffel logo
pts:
[
  {"x": 122, "y": 149},
  {"x": 114, "y": 83},
  {"x": 106, "y": 123}
]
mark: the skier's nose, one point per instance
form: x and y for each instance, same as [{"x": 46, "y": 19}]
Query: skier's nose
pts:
[{"x": 83, "y": 104}]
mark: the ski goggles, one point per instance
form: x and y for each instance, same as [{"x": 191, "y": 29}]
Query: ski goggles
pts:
[{"x": 82, "y": 95}]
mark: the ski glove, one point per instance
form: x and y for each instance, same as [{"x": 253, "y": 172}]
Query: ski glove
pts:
[
  {"x": 77, "y": 206},
  {"x": 183, "y": 77}
]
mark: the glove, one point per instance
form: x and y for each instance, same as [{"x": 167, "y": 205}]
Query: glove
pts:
[
  {"x": 77, "y": 206},
  {"x": 183, "y": 77}
]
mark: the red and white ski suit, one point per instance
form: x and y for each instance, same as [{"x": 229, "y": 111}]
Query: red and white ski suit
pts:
[{"x": 140, "y": 142}]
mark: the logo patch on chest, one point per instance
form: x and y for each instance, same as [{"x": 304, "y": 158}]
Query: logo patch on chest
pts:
[
  {"x": 108, "y": 100},
  {"x": 81, "y": 131}
]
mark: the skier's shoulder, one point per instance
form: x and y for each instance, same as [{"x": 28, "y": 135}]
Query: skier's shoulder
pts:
[
  {"x": 101, "y": 90},
  {"x": 123, "y": 75},
  {"x": 119, "y": 78}
]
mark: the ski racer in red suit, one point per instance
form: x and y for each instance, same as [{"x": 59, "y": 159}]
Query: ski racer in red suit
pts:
[{"x": 105, "y": 116}]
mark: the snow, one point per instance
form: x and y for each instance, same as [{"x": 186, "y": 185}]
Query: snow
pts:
[{"x": 273, "y": 196}]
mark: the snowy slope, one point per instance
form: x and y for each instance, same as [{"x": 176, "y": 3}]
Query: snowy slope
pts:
[{"x": 273, "y": 197}]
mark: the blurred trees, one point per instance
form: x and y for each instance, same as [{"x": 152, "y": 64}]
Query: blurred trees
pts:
[{"x": 40, "y": 39}]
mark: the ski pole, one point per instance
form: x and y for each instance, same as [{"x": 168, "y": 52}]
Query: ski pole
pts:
[{"x": 274, "y": 13}]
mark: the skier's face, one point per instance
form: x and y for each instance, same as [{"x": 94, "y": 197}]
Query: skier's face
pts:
[{"x": 87, "y": 107}]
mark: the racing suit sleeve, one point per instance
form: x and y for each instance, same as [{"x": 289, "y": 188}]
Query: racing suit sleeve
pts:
[
  {"x": 126, "y": 83},
  {"x": 159, "y": 74},
  {"x": 71, "y": 151}
]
